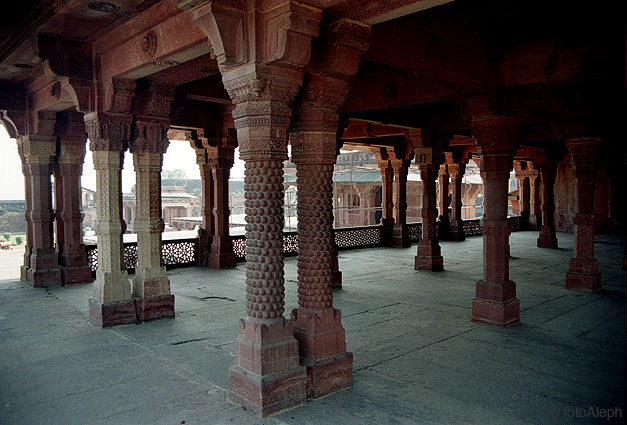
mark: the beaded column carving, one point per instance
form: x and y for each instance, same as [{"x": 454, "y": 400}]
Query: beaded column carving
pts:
[{"x": 266, "y": 376}]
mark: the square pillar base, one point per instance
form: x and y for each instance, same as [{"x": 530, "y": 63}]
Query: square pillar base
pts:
[
  {"x": 550, "y": 242},
  {"x": 153, "y": 308},
  {"x": 456, "y": 235},
  {"x": 328, "y": 376},
  {"x": 110, "y": 314},
  {"x": 270, "y": 394},
  {"x": 496, "y": 313},
  {"x": 42, "y": 278},
  {"x": 76, "y": 275},
  {"x": 221, "y": 261},
  {"x": 434, "y": 263},
  {"x": 583, "y": 282}
]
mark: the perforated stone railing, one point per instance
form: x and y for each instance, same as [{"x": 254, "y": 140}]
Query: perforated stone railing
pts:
[
  {"x": 184, "y": 252},
  {"x": 174, "y": 253}
]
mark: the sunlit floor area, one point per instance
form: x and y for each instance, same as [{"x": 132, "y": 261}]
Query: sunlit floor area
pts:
[{"x": 417, "y": 357}]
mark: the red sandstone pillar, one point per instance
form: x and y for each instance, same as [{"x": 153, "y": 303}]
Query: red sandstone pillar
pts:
[
  {"x": 221, "y": 254},
  {"x": 206, "y": 231},
  {"x": 535, "y": 215},
  {"x": 583, "y": 271},
  {"x": 70, "y": 158},
  {"x": 400, "y": 234},
  {"x": 28, "y": 247},
  {"x": 429, "y": 255},
  {"x": 111, "y": 304},
  {"x": 547, "y": 238},
  {"x": 317, "y": 325},
  {"x": 266, "y": 376},
  {"x": 39, "y": 154},
  {"x": 444, "y": 220},
  {"x": 495, "y": 302},
  {"x": 387, "y": 219},
  {"x": 522, "y": 177},
  {"x": 151, "y": 285},
  {"x": 456, "y": 229}
]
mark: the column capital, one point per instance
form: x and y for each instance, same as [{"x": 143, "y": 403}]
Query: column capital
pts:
[
  {"x": 150, "y": 135},
  {"x": 428, "y": 156},
  {"x": 108, "y": 132}
]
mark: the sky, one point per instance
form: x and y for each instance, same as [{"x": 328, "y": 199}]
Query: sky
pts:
[{"x": 180, "y": 155}]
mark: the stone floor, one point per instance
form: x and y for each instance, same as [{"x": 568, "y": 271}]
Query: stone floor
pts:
[{"x": 418, "y": 358}]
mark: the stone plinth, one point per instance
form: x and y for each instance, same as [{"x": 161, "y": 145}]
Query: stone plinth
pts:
[{"x": 266, "y": 377}]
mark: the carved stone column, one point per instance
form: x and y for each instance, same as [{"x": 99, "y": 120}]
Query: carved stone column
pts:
[
  {"x": 583, "y": 270},
  {"x": 68, "y": 171},
  {"x": 387, "y": 203},
  {"x": 111, "y": 303},
  {"x": 535, "y": 213},
  {"x": 524, "y": 192},
  {"x": 495, "y": 302},
  {"x": 456, "y": 229},
  {"x": 429, "y": 254},
  {"x": 266, "y": 376},
  {"x": 547, "y": 238},
  {"x": 39, "y": 158},
  {"x": 445, "y": 222},
  {"x": 151, "y": 285},
  {"x": 28, "y": 247},
  {"x": 206, "y": 231},
  {"x": 400, "y": 234},
  {"x": 221, "y": 255}
]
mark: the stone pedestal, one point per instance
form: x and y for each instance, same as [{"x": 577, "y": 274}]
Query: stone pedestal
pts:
[
  {"x": 583, "y": 271},
  {"x": 429, "y": 254}
]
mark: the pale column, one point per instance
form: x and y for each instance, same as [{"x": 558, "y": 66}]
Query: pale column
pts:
[
  {"x": 456, "y": 230},
  {"x": 111, "y": 303},
  {"x": 583, "y": 269},
  {"x": 400, "y": 234},
  {"x": 72, "y": 255},
  {"x": 150, "y": 285},
  {"x": 444, "y": 220},
  {"x": 39, "y": 153},
  {"x": 429, "y": 254}
]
